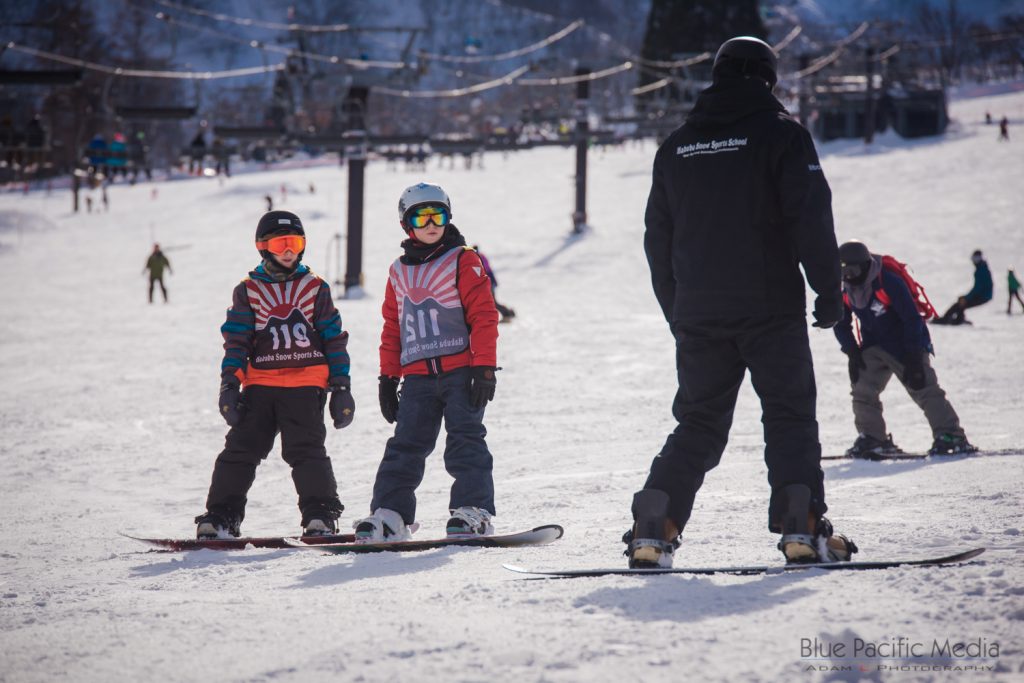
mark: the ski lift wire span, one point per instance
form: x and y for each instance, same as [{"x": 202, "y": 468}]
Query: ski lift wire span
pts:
[
  {"x": 146, "y": 73},
  {"x": 304, "y": 28}
]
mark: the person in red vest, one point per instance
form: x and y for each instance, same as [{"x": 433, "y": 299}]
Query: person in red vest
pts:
[{"x": 440, "y": 341}]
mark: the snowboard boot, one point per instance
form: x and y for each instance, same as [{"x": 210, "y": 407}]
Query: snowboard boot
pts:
[
  {"x": 383, "y": 526},
  {"x": 806, "y": 538},
  {"x": 951, "y": 444},
  {"x": 652, "y": 541},
  {"x": 469, "y": 521},
  {"x": 320, "y": 517},
  {"x": 320, "y": 527},
  {"x": 869, "y": 448},
  {"x": 216, "y": 525}
]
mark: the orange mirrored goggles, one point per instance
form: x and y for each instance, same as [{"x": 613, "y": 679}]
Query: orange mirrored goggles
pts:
[{"x": 279, "y": 245}]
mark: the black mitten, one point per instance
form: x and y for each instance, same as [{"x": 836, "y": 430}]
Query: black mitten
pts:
[
  {"x": 230, "y": 401},
  {"x": 387, "y": 392},
  {"x": 827, "y": 312},
  {"x": 342, "y": 405},
  {"x": 913, "y": 371},
  {"x": 481, "y": 385},
  {"x": 856, "y": 363}
]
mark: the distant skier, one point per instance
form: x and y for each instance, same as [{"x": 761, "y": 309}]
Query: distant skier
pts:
[
  {"x": 1013, "y": 285},
  {"x": 738, "y": 203},
  {"x": 270, "y": 202},
  {"x": 980, "y": 293},
  {"x": 197, "y": 152},
  {"x": 285, "y": 346},
  {"x": 155, "y": 264},
  {"x": 893, "y": 341},
  {"x": 440, "y": 335},
  {"x": 506, "y": 313},
  {"x": 1004, "y": 129}
]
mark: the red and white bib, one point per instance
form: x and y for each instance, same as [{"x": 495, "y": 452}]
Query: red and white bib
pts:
[
  {"x": 430, "y": 314},
  {"x": 285, "y": 335}
]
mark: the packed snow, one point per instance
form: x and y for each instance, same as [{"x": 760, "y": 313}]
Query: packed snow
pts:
[{"x": 109, "y": 423}]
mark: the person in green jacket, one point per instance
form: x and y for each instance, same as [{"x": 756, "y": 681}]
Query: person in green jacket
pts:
[
  {"x": 155, "y": 264},
  {"x": 1013, "y": 284}
]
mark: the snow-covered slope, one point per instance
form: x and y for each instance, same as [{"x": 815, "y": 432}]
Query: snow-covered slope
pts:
[{"x": 107, "y": 411}]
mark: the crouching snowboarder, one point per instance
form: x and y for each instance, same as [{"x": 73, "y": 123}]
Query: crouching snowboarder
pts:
[{"x": 894, "y": 340}]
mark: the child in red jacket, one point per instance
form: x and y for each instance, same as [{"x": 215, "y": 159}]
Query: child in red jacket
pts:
[{"x": 440, "y": 335}]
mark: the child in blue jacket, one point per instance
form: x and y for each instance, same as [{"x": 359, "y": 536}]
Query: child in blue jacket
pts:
[{"x": 894, "y": 340}]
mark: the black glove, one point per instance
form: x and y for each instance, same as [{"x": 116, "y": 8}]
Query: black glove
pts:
[
  {"x": 387, "y": 392},
  {"x": 913, "y": 371},
  {"x": 342, "y": 406},
  {"x": 827, "y": 312},
  {"x": 856, "y": 363},
  {"x": 481, "y": 385},
  {"x": 230, "y": 402}
]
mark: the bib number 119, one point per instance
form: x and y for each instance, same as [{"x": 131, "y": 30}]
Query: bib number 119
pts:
[{"x": 282, "y": 336}]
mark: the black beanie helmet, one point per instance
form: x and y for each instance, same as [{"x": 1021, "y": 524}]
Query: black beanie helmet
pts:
[
  {"x": 278, "y": 223},
  {"x": 855, "y": 261},
  {"x": 746, "y": 56}
]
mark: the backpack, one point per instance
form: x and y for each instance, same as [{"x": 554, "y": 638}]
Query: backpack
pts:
[{"x": 917, "y": 293}]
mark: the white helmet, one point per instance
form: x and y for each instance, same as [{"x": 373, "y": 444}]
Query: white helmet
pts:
[{"x": 419, "y": 194}]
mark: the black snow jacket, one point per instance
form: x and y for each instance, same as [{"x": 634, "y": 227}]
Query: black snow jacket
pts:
[{"x": 737, "y": 204}]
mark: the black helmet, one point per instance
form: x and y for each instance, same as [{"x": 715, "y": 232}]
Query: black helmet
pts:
[
  {"x": 855, "y": 261},
  {"x": 746, "y": 56},
  {"x": 278, "y": 223}
]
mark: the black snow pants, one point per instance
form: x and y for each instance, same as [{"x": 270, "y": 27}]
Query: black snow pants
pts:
[
  {"x": 711, "y": 360},
  {"x": 298, "y": 415}
]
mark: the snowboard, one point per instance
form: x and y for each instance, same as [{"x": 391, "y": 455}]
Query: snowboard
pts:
[
  {"x": 923, "y": 456},
  {"x": 239, "y": 543},
  {"x": 537, "y": 536},
  {"x": 753, "y": 569}
]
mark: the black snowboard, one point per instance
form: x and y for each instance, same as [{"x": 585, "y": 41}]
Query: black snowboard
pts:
[
  {"x": 755, "y": 569},
  {"x": 924, "y": 456}
]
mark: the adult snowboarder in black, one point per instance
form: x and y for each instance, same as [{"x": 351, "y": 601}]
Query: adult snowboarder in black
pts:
[{"x": 738, "y": 203}]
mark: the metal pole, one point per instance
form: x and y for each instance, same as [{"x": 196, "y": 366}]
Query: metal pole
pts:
[
  {"x": 579, "y": 216},
  {"x": 356, "y": 153},
  {"x": 354, "y": 254}
]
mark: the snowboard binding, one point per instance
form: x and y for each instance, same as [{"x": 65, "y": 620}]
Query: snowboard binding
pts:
[
  {"x": 806, "y": 539},
  {"x": 652, "y": 541}
]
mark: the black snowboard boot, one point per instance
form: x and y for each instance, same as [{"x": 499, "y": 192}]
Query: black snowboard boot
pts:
[
  {"x": 806, "y": 538},
  {"x": 320, "y": 517},
  {"x": 951, "y": 444},
  {"x": 869, "y": 448},
  {"x": 218, "y": 525},
  {"x": 654, "y": 537}
]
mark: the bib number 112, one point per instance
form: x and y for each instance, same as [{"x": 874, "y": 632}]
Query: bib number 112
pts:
[{"x": 421, "y": 319}]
